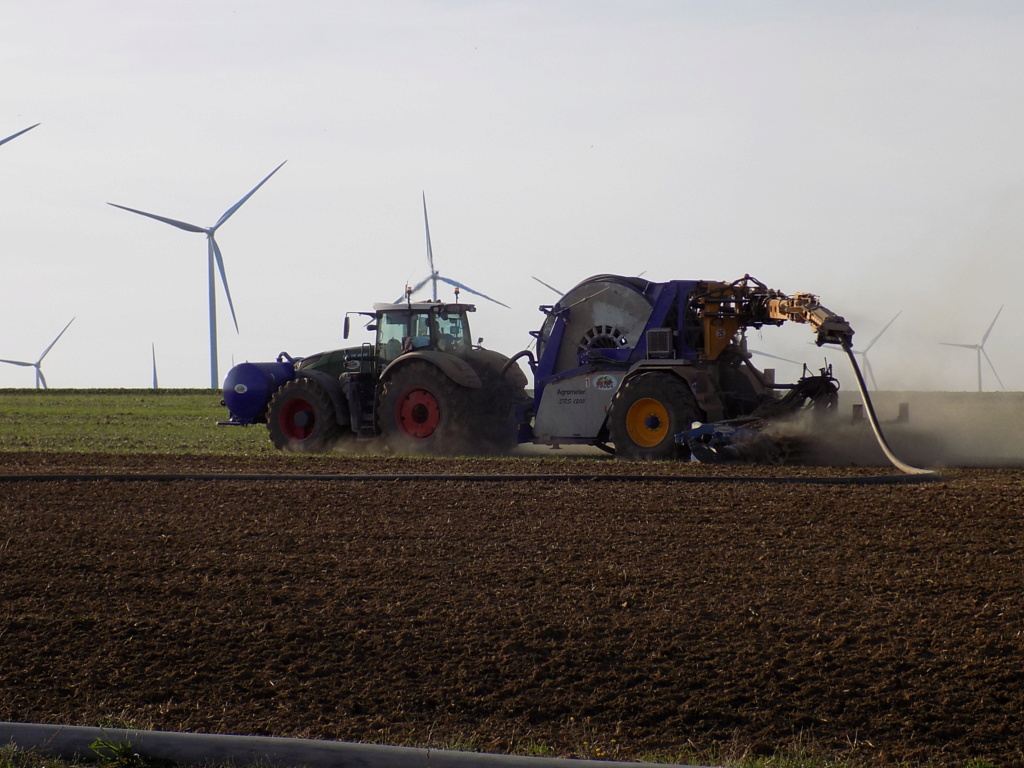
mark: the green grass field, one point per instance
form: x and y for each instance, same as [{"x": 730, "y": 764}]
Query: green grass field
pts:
[{"x": 182, "y": 421}]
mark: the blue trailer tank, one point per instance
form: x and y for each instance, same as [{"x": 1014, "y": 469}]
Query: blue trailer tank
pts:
[{"x": 248, "y": 388}]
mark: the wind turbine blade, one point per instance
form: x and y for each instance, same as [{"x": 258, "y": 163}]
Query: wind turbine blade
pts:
[
  {"x": 228, "y": 213},
  {"x": 993, "y": 368},
  {"x": 45, "y": 351},
  {"x": 879, "y": 334},
  {"x": 965, "y": 346},
  {"x": 40, "y": 377},
  {"x": 426, "y": 225},
  {"x": 16, "y": 135},
  {"x": 467, "y": 289},
  {"x": 773, "y": 357},
  {"x": 985, "y": 337},
  {"x": 173, "y": 222},
  {"x": 223, "y": 276},
  {"x": 551, "y": 287},
  {"x": 18, "y": 362}
]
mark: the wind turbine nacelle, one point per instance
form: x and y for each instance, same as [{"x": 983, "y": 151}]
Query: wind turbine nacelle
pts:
[{"x": 248, "y": 388}]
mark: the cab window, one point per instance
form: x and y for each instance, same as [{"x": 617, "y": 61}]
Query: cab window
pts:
[{"x": 451, "y": 334}]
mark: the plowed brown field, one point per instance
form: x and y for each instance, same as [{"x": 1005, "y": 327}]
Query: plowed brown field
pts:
[{"x": 883, "y": 622}]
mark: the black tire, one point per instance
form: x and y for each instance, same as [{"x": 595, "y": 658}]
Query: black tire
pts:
[
  {"x": 301, "y": 418},
  {"x": 500, "y": 405},
  {"x": 497, "y": 430},
  {"x": 647, "y": 413},
  {"x": 421, "y": 410}
]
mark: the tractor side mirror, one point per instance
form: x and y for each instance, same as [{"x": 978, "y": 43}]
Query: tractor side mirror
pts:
[{"x": 347, "y": 327}]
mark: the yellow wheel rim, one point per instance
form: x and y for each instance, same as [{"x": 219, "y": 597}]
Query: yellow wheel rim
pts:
[{"x": 647, "y": 422}]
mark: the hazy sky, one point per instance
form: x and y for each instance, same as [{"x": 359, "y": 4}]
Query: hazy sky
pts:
[{"x": 866, "y": 152}]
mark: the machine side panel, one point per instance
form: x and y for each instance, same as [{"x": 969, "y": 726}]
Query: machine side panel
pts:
[{"x": 574, "y": 409}]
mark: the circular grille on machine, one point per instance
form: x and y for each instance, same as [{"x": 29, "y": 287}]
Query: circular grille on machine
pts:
[{"x": 602, "y": 337}]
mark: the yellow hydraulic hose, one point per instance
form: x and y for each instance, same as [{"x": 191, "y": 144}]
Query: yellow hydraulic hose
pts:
[{"x": 874, "y": 421}]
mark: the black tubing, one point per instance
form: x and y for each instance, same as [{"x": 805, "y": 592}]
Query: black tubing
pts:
[
  {"x": 190, "y": 749},
  {"x": 169, "y": 478},
  {"x": 511, "y": 361},
  {"x": 900, "y": 465}
]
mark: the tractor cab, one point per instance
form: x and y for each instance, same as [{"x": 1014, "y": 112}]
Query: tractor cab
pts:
[{"x": 410, "y": 327}]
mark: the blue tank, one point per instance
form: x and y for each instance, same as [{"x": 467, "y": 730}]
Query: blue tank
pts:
[{"x": 248, "y": 388}]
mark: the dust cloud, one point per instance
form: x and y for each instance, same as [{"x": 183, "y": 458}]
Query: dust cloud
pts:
[{"x": 941, "y": 430}]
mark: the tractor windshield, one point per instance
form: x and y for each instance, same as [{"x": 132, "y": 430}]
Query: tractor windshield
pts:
[{"x": 401, "y": 331}]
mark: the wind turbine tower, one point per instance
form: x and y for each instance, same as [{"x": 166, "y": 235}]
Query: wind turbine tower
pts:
[{"x": 214, "y": 257}]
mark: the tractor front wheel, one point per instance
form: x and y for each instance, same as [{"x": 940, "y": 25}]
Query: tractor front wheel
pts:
[
  {"x": 647, "y": 413},
  {"x": 301, "y": 418}
]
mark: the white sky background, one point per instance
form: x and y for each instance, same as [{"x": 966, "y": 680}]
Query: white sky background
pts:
[{"x": 866, "y": 152}]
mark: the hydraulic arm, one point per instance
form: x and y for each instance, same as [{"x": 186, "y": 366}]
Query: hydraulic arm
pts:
[
  {"x": 722, "y": 309},
  {"x": 829, "y": 328}
]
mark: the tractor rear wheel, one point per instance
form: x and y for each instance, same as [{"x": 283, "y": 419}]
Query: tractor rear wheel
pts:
[
  {"x": 647, "y": 413},
  {"x": 500, "y": 404},
  {"x": 301, "y": 418},
  {"x": 423, "y": 411}
]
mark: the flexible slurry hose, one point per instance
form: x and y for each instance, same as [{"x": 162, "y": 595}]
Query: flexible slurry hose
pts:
[
  {"x": 903, "y": 467},
  {"x": 569, "y": 479},
  {"x": 71, "y": 742}
]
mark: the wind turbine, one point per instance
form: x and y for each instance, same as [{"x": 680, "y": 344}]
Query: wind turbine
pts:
[
  {"x": 980, "y": 348},
  {"x": 864, "y": 352},
  {"x": 40, "y": 379},
  {"x": 16, "y": 135},
  {"x": 213, "y": 256},
  {"x": 436, "y": 276}
]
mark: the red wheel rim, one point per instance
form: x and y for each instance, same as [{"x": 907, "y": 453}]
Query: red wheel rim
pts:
[
  {"x": 297, "y": 419},
  {"x": 418, "y": 413}
]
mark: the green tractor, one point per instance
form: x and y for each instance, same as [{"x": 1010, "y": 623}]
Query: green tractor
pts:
[{"x": 421, "y": 387}]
